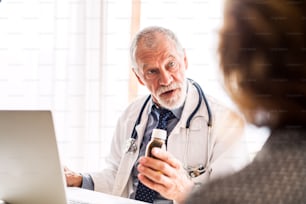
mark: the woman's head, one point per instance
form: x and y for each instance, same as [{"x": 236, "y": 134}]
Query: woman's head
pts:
[{"x": 263, "y": 59}]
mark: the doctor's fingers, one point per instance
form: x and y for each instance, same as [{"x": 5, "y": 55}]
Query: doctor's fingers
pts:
[
  {"x": 148, "y": 165},
  {"x": 166, "y": 157},
  {"x": 153, "y": 179},
  {"x": 159, "y": 172},
  {"x": 72, "y": 178}
]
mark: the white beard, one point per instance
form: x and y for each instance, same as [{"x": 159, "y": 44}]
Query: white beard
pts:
[{"x": 176, "y": 101}]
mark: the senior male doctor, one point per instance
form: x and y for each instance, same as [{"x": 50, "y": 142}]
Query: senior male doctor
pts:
[{"x": 205, "y": 139}]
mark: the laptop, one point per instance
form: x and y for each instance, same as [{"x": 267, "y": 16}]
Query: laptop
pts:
[{"x": 30, "y": 168}]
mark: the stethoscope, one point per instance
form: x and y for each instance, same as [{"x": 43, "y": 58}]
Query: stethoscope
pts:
[{"x": 194, "y": 171}]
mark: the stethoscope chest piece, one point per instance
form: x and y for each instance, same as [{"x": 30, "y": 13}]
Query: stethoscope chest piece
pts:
[{"x": 130, "y": 145}]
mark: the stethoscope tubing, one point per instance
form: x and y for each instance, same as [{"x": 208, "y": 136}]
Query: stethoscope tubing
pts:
[
  {"x": 201, "y": 96},
  {"x": 134, "y": 133}
]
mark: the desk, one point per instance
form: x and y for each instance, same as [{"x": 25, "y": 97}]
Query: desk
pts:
[
  {"x": 93, "y": 197},
  {"x": 79, "y": 195}
]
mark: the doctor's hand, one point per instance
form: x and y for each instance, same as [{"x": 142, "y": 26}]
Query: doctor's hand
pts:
[
  {"x": 73, "y": 179},
  {"x": 165, "y": 174}
]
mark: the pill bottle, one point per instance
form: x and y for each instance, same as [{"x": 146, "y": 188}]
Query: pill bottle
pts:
[{"x": 158, "y": 139}]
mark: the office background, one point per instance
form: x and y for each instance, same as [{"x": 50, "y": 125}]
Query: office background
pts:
[{"x": 72, "y": 57}]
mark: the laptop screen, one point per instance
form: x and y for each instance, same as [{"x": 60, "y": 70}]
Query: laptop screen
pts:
[{"x": 30, "y": 170}]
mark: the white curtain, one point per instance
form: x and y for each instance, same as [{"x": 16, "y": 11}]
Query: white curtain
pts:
[
  {"x": 53, "y": 56},
  {"x": 78, "y": 80}
]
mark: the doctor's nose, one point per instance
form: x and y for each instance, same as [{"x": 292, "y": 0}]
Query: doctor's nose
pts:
[{"x": 165, "y": 78}]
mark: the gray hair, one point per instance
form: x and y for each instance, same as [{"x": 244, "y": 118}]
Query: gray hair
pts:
[{"x": 148, "y": 34}]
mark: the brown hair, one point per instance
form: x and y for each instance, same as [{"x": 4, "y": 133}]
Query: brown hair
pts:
[{"x": 262, "y": 56}]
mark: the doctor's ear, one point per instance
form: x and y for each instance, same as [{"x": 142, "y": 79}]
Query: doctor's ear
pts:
[
  {"x": 185, "y": 59},
  {"x": 137, "y": 75}
]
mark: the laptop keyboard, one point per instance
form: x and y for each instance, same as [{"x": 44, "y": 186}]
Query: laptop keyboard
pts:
[{"x": 77, "y": 202}]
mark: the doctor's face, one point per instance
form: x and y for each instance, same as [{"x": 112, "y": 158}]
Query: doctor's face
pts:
[{"x": 161, "y": 68}]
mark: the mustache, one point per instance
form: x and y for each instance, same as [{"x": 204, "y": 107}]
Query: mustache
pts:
[{"x": 172, "y": 86}]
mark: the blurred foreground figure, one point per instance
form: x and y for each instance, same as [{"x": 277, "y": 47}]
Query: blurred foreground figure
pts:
[{"x": 263, "y": 60}]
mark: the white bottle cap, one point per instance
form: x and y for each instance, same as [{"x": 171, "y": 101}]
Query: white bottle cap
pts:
[{"x": 159, "y": 133}]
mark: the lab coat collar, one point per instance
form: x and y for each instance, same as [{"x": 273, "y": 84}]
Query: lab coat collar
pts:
[
  {"x": 140, "y": 128},
  {"x": 191, "y": 102}
]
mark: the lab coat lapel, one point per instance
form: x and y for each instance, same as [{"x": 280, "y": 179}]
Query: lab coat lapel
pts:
[
  {"x": 189, "y": 106},
  {"x": 129, "y": 159}
]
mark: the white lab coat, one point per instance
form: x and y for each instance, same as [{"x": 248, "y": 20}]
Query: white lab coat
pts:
[{"x": 228, "y": 153}]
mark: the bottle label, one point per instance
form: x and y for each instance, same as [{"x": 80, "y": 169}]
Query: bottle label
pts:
[{"x": 154, "y": 143}]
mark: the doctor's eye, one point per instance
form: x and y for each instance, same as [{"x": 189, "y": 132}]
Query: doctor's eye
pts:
[
  {"x": 172, "y": 66},
  {"x": 151, "y": 73}
]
